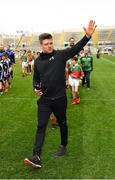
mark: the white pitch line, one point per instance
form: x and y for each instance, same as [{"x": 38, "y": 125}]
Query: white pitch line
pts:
[
  {"x": 33, "y": 99},
  {"x": 108, "y": 61},
  {"x": 97, "y": 99},
  {"x": 14, "y": 98}
]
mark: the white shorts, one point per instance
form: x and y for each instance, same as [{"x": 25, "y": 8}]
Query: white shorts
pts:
[
  {"x": 32, "y": 63},
  {"x": 69, "y": 80},
  {"x": 75, "y": 82},
  {"x": 24, "y": 65}
]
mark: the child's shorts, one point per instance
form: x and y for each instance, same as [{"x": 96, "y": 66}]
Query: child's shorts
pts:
[{"x": 75, "y": 82}]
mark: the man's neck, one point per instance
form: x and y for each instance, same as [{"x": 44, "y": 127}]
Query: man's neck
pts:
[{"x": 45, "y": 52}]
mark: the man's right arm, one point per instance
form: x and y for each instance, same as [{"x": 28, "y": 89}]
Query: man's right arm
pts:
[
  {"x": 36, "y": 80},
  {"x": 36, "y": 76}
]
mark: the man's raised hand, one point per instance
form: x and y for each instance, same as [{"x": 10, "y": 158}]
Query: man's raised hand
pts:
[{"x": 90, "y": 29}]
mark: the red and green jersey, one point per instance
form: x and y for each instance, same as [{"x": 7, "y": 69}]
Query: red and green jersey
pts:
[
  {"x": 87, "y": 63},
  {"x": 68, "y": 64},
  {"x": 30, "y": 58},
  {"x": 24, "y": 58},
  {"x": 76, "y": 71}
]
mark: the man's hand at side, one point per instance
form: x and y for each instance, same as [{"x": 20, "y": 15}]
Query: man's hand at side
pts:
[{"x": 38, "y": 92}]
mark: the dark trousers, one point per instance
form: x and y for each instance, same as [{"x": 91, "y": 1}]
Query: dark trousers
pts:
[
  {"x": 86, "y": 78},
  {"x": 45, "y": 108},
  {"x": 11, "y": 74}
]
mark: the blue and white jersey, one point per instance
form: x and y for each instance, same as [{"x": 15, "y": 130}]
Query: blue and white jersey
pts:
[
  {"x": 11, "y": 55},
  {"x": 8, "y": 61},
  {"x": 1, "y": 71},
  {"x": 5, "y": 69}
]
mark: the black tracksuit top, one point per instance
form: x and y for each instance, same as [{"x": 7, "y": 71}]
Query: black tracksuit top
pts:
[{"x": 49, "y": 70}]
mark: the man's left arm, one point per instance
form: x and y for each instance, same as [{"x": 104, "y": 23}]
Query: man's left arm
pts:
[{"x": 71, "y": 52}]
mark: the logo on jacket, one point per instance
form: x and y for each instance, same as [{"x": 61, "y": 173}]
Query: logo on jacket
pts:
[{"x": 52, "y": 58}]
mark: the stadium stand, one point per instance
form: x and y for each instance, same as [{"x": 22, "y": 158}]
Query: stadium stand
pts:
[{"x": 103, "y": 38}]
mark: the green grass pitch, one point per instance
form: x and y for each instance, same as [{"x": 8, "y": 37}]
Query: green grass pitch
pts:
[{"x": 91, "y": 148}]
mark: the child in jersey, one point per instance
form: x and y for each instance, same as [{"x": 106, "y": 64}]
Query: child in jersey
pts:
[
  {"x": 24, "y": 63},
  {"x": 76, "y": 75},
  {"x": 29, "y": 60},
  {"x": 6, "y": 71},
  {"x": 1, "y": 77}
]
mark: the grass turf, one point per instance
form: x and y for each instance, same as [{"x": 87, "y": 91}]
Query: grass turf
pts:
[{"x": 91, "y": 148}]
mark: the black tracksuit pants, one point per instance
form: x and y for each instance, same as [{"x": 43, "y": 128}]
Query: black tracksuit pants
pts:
[
  {"x": 87, "y": 78},
  {"x": 45, "y": 108}
]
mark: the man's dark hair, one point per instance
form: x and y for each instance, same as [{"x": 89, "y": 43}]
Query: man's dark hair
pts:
[{"x": 44, "y": 36}]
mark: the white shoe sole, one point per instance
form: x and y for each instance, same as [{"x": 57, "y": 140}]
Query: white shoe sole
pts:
[{"x": 29, "y": 163}]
